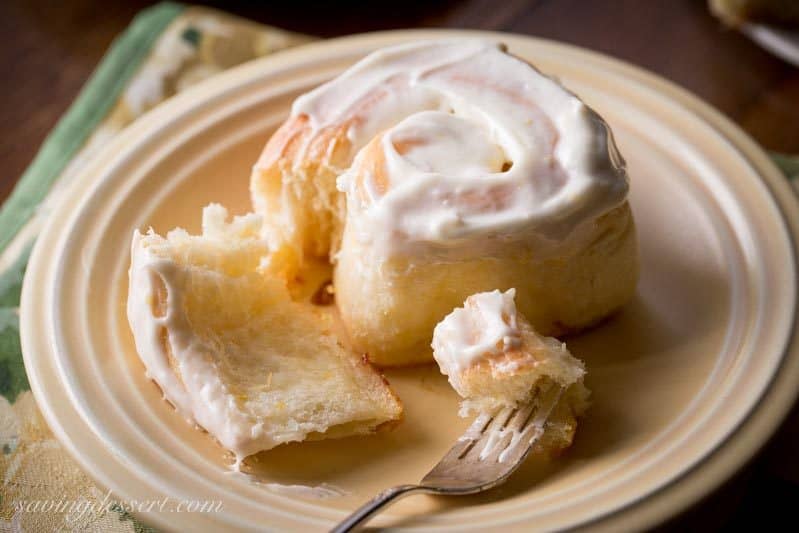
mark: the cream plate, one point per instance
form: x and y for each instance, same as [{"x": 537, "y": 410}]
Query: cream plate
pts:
[{"x": 688, "y": 381}]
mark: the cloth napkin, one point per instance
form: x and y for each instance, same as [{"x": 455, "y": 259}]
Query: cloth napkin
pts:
[{"x": 166, "y": 48}]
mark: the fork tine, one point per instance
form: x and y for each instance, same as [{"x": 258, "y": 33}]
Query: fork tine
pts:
[
  {"x": 501, "y": 419},
  {"x": 494, "y": 434},
  {"x": 467, "y": 440},
  {"x": 522, "y": 415},
  {"x": 518, "y": 447},
  {"x": 504, "y": 436},
  {"x": 532, "y": 430},
  {"x": 492, "y": 447}
]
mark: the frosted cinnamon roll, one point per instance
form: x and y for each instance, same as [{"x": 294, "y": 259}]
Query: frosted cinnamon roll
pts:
[{"x": 431, "y": 171}]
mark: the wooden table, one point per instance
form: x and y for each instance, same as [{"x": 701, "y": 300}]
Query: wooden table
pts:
[{"x": 51, "y": 48}]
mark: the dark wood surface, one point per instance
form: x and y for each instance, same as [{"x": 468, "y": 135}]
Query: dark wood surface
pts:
[{"x": 52, "y": 47}]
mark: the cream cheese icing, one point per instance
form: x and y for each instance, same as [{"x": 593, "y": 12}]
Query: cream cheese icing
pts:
[
  {"x": 212, "y": 407},
  {"x": 484, "y": 328},
  {"x": 476, "y": 143}
]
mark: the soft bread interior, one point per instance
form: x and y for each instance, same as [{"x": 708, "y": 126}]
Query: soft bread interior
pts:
[
  {"x": 515, "y": 377},
  {"x": 297, "y": 197},
  {"x": 258, "y": 369}
]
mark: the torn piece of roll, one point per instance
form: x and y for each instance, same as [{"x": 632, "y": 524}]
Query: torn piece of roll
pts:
[
  {"x": 463, "y": 169},
  {"x": 233, "y": 352},
  {"x": 494, "y": 359}
]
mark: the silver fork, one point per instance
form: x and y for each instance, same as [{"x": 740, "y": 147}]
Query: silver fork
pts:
[{"x": 484, "y": 457}]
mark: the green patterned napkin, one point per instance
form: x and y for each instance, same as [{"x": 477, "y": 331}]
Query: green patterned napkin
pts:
[
  {"x": 166, "y": 49},
  {"x": 789, "y": 165}
]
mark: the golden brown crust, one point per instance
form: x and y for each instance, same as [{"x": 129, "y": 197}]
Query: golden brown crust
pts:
[{"x": 294, "y": 179}]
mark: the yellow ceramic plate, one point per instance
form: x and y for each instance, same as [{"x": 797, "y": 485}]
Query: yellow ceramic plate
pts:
[{"x": 688, "y": 381}]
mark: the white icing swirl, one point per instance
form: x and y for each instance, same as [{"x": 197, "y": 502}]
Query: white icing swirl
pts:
[
  {"x": 474, "y": 142},
  {"x": 482, "y": 330}
]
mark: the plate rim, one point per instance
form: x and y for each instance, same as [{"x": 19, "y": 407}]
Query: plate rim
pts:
[{"x": 686, "y": 488}]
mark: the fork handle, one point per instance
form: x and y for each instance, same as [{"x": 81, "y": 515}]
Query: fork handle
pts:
[{"x": 371, "y": 508}]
